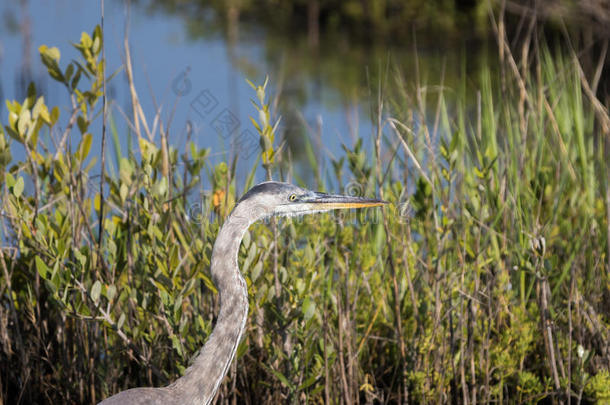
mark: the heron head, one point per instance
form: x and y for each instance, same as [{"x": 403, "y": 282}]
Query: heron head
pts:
[{"x": 284, "y": 199}]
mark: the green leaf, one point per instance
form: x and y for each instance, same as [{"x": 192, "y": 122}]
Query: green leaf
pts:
[
  {"x": 307, "y": 383},
  {"x": 97, "y": 203},
  {"x": 18, "y": 187},
  {"x": 96, "y": 45},
  {"x": 123, "y": 190},
  {"x": 176, "y": 344},
  {"x": 54, "y": 115},
  {"x": 52, "y": 52},
  {"x": 121, "y": 321},
  {"x": 82, "y": 124},
  {"x": 85, "y": 146},
  {"x": 81, "y": 258},
  {"x": 76, "y": 78},
  {"x": 256, "y": 271},
  {"x": 309, "y": 308},
  {"x": 69, "y": 71},
  {"x": 31, "y": 96},
  {"x": 10, "y": 180},
  {"x": 85, "y": 40},
  {"x": 25, "y": 121},
  {"x": 282, "y": 378},
  {"x": 161, "y": 187},
  {"x": 13, "y": 107},
  {"x": 42, "y": 267},
  {"x": 147, "y": 149},
  {"x": 38, "y": 108},
  {"x": 50, "y": 58},
  {"x": 95, "y": 291}
]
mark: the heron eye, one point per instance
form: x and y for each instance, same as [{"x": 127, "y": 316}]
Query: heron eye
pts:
[{"x": 292, "y": 197}]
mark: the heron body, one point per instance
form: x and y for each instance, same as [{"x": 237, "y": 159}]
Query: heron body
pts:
[{"x": 201, "y": 380}]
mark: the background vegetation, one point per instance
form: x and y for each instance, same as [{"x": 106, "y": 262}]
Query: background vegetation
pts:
[
  {"x": 487, "y": 279},
  {"x": 374, "y": 21}
]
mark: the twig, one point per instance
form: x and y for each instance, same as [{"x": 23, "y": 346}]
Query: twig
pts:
[
  {"x": 103, "y": 151},
  {"x": 547, "y": 331},
  {"x": 71, "y": 122},
  {"x": 392, "y": 123},
  {"x": 129, "y": 73},
  {"x": 608, "y": 213}
]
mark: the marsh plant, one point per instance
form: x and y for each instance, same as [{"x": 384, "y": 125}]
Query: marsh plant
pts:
[{"x": 485, "y": 280}]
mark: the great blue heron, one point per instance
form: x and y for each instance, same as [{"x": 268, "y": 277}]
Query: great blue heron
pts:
[{"x": 201, "y": 380}]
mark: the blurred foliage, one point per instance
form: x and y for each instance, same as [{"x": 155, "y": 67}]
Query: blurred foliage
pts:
[
  {"x": 598, "y": 387},
  {"x": 485, "y": 280},
  {"x": 333, "y": 52},
  {"x": 389, "y": 21}
]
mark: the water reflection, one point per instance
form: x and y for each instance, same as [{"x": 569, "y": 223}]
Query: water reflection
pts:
[
  {"x": 326, "y": 80},
  {"x": 190, "y": 66},
  {"x": 330, "y": 76}
]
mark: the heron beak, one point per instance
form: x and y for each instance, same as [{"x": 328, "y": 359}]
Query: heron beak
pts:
[{"x": 322, "y": 201}]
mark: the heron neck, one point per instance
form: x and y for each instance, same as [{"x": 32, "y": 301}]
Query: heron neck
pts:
[{"x": 201, "y": 381}]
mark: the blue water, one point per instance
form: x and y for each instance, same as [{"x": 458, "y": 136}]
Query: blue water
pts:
[{"x": 189, "y": 81}]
